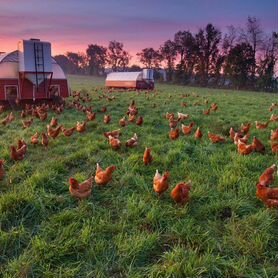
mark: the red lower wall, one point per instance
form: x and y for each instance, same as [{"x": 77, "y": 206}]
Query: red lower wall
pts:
[
  {"x": 121, "y": 84},
  {"x": 26, "y": 88}
]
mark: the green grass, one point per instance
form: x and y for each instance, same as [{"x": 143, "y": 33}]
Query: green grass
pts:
[{"x": 123, "y": 229}]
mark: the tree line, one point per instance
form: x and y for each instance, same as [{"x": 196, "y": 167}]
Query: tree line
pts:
[{"x": 241, "y": 58}]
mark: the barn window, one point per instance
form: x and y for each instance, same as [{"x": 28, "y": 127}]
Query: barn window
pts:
[
  {"x": 54, "y": 90},
  {"x": 11, "y": 92}
]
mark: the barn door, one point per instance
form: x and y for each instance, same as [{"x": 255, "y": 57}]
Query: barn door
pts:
[{"x": 11, "y": 92}]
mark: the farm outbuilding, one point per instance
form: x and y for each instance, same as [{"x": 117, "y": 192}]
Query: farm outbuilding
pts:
[
  {"x": 133, "y": 80},
  {"x": 31, "y": 73}
]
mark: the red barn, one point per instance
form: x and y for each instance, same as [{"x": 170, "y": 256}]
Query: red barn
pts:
[{"x": 30, "y": 73}]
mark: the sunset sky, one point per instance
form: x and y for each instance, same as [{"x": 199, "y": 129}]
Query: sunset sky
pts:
[{"x": 71, "y": 25}]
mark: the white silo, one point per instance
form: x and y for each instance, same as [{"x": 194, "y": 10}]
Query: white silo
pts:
[{"x": 35, "y": 61}]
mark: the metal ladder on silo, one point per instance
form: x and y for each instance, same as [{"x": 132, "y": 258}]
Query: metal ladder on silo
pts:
[{"x": 39, "y": 63}]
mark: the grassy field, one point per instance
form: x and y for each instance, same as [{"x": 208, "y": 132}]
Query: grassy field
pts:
[{"x": 123, "y": 229}]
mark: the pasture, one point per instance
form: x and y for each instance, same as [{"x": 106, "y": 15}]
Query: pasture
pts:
[{"x": 123, "y": 229}]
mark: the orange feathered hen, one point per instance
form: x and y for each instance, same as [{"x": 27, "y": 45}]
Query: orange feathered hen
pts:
[
  {"x": 102, "y": 177},
  {"x": 132, "y": 142},
  {"x": 245, "y": 127},
  {"x": 19, "y": 152},
  {"x": 106, "y": 119},
  {"x": 274, "y": 135},
  {"x": 81, "y": 127},
  {"x": 68, "y": 131},
  {"x": 53, "y": 122},
  {"x": 122, "y": 122},
  {"x": 147, "y": 158},
  {"x": 45, "y": 139},
  {"x": 267, "y": 177},
  {"x": 214, "y": 138},
  {"x": 161, "y": 182},
  {"x": 261, "y": 125},
  {"x": 187, "y": 129},
  {"x": 269, "y": 196},
  {"x": 140, "y": 121},
  {"x": 114, "y": 133},
  {"x": 35, "y": 138},
  {"x": 180, "y": 193},
  {"x": 80, "y": 190},
  {"x": 198, "y": 134},
  {"x": 258, "y": 146},
  {"x": 53, "y": 132},
  {"x": 244, "y": 149},
  {"x": 174, "y": 133},
  {"x": 115, "y": 143}
]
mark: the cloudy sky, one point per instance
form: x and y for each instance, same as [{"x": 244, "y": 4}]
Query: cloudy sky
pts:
[{"x": 71, "y": 25}]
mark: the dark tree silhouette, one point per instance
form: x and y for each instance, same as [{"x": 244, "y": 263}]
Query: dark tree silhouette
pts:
[
  {"x": 65, "y": 64},
  {"x": 135, "y": 68},
  {"x": 78, "y": 60},
  {"x": 149, "y": 57},
  {"x": 242, "y": 57},
  {"x": 254, "y": 36},
  {"x": 96, "y": 56},
  {"x": 117, "y": 57},
  {"x": 240, "y": 60},
  {"x": 168, "y": 53},
  {"x": 266, "y": 64},
  {"x": 229, "y": 39},
  {"x": 207, "y": 41},
  {"x": 186, "y": 50}
]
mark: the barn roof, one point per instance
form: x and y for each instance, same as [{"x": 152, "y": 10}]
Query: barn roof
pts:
[
  {"x": 9, "y": 57},
  {"x": 124, "y": 76},
  {"x": 9, "y": 66},
  {"x": 13, "y": 57}
]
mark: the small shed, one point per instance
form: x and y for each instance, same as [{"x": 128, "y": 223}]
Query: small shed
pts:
[
  {"x": 30, "y": 73},
  {"x": 130, "y": 80}
]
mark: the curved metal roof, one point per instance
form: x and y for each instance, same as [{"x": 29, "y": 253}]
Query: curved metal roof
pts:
[
  {"x": 12, "y": 57},
  {"x": 9, "y": 67},
  {"x": 9, "y": 57}
]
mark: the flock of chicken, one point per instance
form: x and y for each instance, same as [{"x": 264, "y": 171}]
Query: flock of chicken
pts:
[
  {"x": 269, "y": 196},
  {"x": 180, "y": 193},
  {"x": 240, "y": 137}
]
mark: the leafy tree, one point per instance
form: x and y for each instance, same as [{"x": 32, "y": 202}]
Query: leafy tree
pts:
[
  {"x": 184, "y": 41},
  {"x": 168, "y": 53},
  {"x": 78, "y": 60},
  {"x": 135, "y": 68},
  {"x": 239, "y": 63},
  {"x": 229, "y": 39},
  {"x": 228, "y": 42},
  {"x": 207, "y": 41},
  {"x": 65, "y": 64},
  {"x": 117, "y": 57},
  {"x": 254, "y": 36},
  {"x": 267, "y": 61},
  {"x": 149, "y": 57},
  {"x": 186, "y": 48},
  {"x": 96, "y": 55}
]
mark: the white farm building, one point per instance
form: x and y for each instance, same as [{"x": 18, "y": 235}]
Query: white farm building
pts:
[{"x": 137, "y": 80}]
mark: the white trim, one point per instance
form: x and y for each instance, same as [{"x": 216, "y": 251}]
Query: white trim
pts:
[
  {"x": 19, "y": 87},
  {"x": 5, "y": 90},
  {"x": 69, "y": 89},
  {"x": 34, "y": 97}
]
